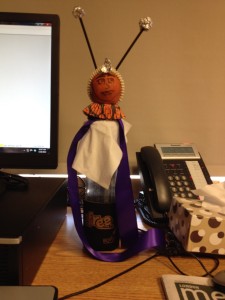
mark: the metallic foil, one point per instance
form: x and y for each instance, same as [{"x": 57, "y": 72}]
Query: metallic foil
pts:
[
  {"x": 107, "y": 67},
  {"x": 78, "y": 12},
  {"x": 145, "y": 23}
]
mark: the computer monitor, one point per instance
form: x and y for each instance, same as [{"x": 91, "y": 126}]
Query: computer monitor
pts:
[{"x": 29, "y": 90}]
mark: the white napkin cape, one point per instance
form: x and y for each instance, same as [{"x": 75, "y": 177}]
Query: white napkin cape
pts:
[{"x": 98, "y": 152}]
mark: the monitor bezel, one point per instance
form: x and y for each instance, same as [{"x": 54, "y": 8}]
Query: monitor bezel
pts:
[{"x": 37, "y": 160}]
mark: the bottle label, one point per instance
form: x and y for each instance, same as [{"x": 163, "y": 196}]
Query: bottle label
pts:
[
  {"x": 98, "y": 221},
  {"x": 100, "y": 225}
]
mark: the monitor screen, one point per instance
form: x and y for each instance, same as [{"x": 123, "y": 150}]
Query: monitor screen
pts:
[{"x": 29, "y": 90}]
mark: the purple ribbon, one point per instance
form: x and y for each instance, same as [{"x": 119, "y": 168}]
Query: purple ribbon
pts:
[{"x": 134, "y": 241}]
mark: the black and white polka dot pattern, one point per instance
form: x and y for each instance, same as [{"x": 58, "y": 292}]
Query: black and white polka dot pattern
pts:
[{"x": 198, "y": 229}]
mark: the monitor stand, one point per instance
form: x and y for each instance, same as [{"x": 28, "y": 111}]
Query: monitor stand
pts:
[{"x": 12, "y": 182}]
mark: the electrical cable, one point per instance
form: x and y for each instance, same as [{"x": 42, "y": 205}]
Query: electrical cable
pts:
[
  {"x": 109, "y": 279},
  {"x": 207, "y": 273},
  {"x": 159, "y": 253}
]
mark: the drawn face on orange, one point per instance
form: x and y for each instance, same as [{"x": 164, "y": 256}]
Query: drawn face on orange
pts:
[{"x": 106, "y": 88}]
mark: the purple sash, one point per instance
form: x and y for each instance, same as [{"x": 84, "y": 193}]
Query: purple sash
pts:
[{"x": 134, "y": 241}]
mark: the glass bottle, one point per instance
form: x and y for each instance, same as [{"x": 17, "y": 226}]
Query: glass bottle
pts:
[{"x": 100, "y": 224}]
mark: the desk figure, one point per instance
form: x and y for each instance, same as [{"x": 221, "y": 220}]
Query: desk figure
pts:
[
  {"x": 99, "y": 151},
  {"x": 100, "y": 147}
]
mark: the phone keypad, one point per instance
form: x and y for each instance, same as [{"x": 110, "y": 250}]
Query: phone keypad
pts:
[{"x": 179, "y": 178}]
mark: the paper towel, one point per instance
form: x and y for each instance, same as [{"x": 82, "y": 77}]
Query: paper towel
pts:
[{"x": 98, "y": 153}]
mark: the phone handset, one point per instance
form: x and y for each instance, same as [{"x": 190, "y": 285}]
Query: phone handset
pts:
[{"x": 155, "y": 183}]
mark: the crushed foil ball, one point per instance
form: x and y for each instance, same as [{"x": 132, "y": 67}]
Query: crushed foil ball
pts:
[
  {"x": 107, "y": 66},
  {"x": 145, "y": 23},
  {"x": 78, "y": 12}
]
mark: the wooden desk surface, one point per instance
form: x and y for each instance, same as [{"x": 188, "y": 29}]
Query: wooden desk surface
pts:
[{"x": 70, "y": 269}]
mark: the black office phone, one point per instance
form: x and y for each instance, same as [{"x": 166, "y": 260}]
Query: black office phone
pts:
[{"x": 166, "y": 171}]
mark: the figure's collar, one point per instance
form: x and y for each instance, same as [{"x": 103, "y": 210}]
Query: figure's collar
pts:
[{"x": 104, "y": 111}]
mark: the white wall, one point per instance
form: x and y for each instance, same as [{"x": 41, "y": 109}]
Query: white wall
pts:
[{"x": 174, "y": 75}]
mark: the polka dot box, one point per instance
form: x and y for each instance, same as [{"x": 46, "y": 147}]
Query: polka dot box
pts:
[{"x": 197, "y": 228}]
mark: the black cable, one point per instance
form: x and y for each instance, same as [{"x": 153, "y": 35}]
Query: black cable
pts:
[
  {"x": 109, "y": 279},
  {"x": 207, "y": 273},
  {"x": 192, "y": 255},
  {"x": 174, "y": 248}
]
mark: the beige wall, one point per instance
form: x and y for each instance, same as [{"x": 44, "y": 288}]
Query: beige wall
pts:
[{"x": 174, "y": 76}]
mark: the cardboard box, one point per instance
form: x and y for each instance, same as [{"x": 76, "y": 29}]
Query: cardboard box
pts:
[{"x": 198, "y": 228}]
